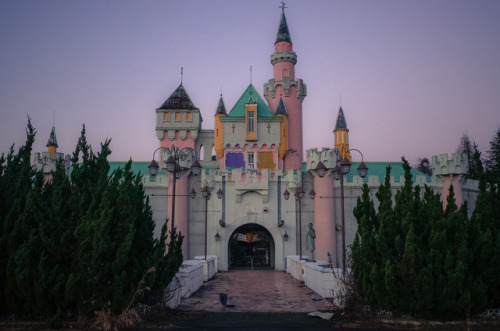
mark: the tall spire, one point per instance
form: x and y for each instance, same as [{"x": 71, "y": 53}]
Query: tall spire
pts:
[
  {"x": 341, "y": 135},
  {"x": 221, "y": 109},
  {"x": 52, "y": 139},
  {"x": 52, "y": 143},
  {"x": 292, "y": 91},
  {"x": 341, "y": 123},
  {"x": 283, "y": 33}
]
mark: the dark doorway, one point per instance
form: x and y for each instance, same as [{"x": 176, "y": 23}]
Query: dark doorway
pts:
[{"x": 251, "y": 247}]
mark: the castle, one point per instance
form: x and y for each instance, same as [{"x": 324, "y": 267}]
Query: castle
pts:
[{"x": 243, "y": 191}]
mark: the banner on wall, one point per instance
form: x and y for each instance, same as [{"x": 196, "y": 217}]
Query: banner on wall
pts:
[{"x": 248, "y": 237}]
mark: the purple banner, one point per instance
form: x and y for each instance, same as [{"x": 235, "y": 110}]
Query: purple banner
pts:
[{"x": 235, "y": 160}]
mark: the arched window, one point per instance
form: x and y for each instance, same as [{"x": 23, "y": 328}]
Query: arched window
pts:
[
  {"x": 214, "y": 154},
  {"x": 201, "y": 154},
  {"x": 285, "y": 73}
]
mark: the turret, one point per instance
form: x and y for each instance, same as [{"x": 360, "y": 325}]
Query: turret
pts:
[
  {"x": 178, "y": 118},
  {"x": 291, "y": 91},
  {"x": 52, "y": 143},
  {"x": 221, "y": 112},
  {"x": 341, "y": 135}
]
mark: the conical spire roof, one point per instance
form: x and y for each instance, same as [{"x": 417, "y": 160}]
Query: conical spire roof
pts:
[
  {"x": 178, "y": 100},
  {"x": 341, "y": 123},
  {"x": 281, "y": 110},
  {"x": 52, "y": 139},
  {"x": 283, "y": 33},
  {"x": 221, "y": 109}
]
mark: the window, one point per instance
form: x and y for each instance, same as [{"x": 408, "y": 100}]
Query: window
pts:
[
  {"x": 177, "y": 116},
  {"x": 165, "y": 116},
  {"x": 251, "y": 122},
  {"x": 188, "y": 116},
  {"x": 251, "y": 161}
]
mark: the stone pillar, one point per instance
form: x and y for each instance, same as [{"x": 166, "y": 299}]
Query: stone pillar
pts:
[{"x": 181, "y": 210}]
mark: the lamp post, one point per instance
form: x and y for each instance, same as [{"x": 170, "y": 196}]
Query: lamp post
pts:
[
  {"x": 299, "y": 195},
  {"x": 342, "y": 168},
  {"x": 173, "y": 167},
  {"x": 205, "y": 192}
]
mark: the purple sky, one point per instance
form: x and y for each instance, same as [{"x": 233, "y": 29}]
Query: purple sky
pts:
[{"x": 412, "y": 76}]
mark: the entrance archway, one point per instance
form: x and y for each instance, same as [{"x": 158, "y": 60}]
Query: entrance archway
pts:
[{"x": 251, "y": 246}]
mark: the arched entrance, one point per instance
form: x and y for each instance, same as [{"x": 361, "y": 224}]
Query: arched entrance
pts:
[{"x": 251, "y": 246}]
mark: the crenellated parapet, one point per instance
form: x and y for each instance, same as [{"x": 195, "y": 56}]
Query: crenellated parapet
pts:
[
  {"x": 286, "y": 83},
  {"x": 284, "y": 56},
  {"x": 456, "y": 166},
  {"x": 43, "y": 162},
  {"x": 325, "y": 155},
  {"x": 452, "y": 172}
]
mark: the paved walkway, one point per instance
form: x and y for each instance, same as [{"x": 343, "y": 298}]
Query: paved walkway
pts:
[{"x": 255, "y": 291}]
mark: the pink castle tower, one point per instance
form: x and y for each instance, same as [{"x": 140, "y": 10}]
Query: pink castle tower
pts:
[
  {"x": 177, "y": 123},
  {"x": 291, "y": 90}
]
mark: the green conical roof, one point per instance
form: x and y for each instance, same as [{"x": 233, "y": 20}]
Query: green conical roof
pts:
[
  {"x": 283, "y": 33},
  {"x": 250, "y": 96}
]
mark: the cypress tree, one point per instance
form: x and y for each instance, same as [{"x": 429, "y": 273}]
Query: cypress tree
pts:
[
  {"x": 493, "y": 157},
  {"x": 484, "y": 229},
  {"x": 421, "y": 261},
  {"x": 16, "y": 181},
  {"x": 364, "y": 242}
]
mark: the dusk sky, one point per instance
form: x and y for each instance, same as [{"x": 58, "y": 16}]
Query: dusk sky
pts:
[{"x": 411, "y": 76}]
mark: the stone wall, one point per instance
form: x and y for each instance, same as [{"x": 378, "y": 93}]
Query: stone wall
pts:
[
  {"x": 319, "y": 277},
  {"x": 190, "y": 277}
]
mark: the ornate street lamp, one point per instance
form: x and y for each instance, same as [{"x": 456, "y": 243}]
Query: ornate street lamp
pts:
[
  {"x": 342, "y": 168},
  {"x": 205, "y": 192},
  {"x": 173, "y": 167},
  {"x": 299, "y": 195}
]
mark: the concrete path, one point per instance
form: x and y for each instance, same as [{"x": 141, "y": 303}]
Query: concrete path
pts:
[{"x": 255, "y": 291}]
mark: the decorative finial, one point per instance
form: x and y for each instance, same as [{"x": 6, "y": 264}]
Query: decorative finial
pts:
[
  {"x": 53, "y": 118},
  {"x": 250, "y": 74},
  {"x": 182, "y": 73},
  {"x": 283, "y": 6}
]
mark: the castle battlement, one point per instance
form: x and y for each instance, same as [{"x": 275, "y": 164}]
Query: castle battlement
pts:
[
  {"x": 43, "y": 162},
  {"x": 457, "y": 165}
]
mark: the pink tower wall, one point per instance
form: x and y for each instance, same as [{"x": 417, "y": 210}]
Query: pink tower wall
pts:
[
  {"x": 181, "y": 192},
  {"x": 280, "y": 67},
  {"x": 324, "y": 219},
  {"x": 293, "y": 106},
  {"x": 457, "y": 189}
]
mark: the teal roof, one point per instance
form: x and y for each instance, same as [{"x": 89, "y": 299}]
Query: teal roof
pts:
[
  {"x": 378, "y": 169},
  {"x": 251, "y": 94},
  {"x": 374, "y": 169},
  {"x": 136, "y": 167}
]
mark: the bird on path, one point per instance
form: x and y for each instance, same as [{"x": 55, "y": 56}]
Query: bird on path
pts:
[{"x": 223, "y": 300}]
